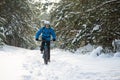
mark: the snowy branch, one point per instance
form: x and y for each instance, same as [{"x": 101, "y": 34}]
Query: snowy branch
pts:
[{"x": 99, "y": 6}]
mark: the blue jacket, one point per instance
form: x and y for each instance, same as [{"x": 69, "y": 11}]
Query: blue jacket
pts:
[{"x": 46, "y": 33}]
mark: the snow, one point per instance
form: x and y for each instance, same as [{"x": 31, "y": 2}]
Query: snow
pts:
[
  {"x": 85, "y": 49},
  {"x": 21, "y": 64},
  {"x": 10, "y": 67},
  {"x": 78, "y": 37},
  {"x": 97, "y": 51},
  {"x": 57, "y": 24},
  {"x": 96, "y": 27},
  {"x": 85, "y": 25},
  {"x": 117, "y": 54},
  {"x": 116, "y": 44}
]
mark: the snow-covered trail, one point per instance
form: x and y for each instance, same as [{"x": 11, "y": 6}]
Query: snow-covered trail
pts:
[{"x": 22, "y": 64}]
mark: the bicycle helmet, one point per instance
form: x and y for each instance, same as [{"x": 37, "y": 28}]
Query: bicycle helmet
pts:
[{"x": 47, "y": 22}]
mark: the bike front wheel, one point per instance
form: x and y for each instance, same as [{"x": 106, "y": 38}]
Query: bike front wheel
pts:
[{"x": 45, "y": 56}]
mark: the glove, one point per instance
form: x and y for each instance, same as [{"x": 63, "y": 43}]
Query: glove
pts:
[
  {"x": 54, "y": 39},
  {"x": 36, "y": 39}
]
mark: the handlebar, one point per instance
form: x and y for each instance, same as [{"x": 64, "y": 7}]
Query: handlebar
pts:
[{"x": 44, "y": 40}]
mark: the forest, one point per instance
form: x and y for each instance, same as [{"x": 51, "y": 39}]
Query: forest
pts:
[{"x": 76, "y": 22}]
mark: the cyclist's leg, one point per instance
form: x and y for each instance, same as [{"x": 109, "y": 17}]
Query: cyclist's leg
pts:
[{"x": 42, "y": 46}]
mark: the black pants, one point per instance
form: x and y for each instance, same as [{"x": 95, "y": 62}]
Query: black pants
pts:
[{"x": 48, "y": 45}]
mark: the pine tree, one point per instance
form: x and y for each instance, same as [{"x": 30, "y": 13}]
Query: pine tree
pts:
[
  {"x": 81, "y": 22},
  {"x": 15, "y": 21}
]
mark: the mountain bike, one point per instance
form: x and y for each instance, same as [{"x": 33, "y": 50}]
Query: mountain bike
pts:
[{"x": 45, "y": 52}]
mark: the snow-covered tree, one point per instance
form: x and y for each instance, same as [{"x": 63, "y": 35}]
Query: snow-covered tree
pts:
[
  {"x": 79, "y": 22},
  {"x": 15, "y": 23}
]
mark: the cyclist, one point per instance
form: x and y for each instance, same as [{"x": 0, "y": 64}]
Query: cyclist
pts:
[{"x": 46, "y": 32}]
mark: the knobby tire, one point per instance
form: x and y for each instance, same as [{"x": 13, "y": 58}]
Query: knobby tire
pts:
[{"x": 46, "y": 55}]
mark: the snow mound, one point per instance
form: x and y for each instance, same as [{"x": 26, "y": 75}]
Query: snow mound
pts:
[
  {"x": 96, "y": 52},
  {"x": 116, "y": 45},
  {"x": 117, "y": 54},
  {"x": 86, "y": 49}
]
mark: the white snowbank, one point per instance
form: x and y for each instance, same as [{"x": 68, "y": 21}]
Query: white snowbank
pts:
[
  {"x": 97, "y": 51},
  {"x": 116, "y": 45},
  {"x": 117, "y": 54},
  {"x": 86, "y": 49}
]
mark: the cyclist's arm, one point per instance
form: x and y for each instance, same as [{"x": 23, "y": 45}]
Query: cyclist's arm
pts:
[
  {"x": 53, "y": 34},
  {"x": 38, "y": 33}
]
